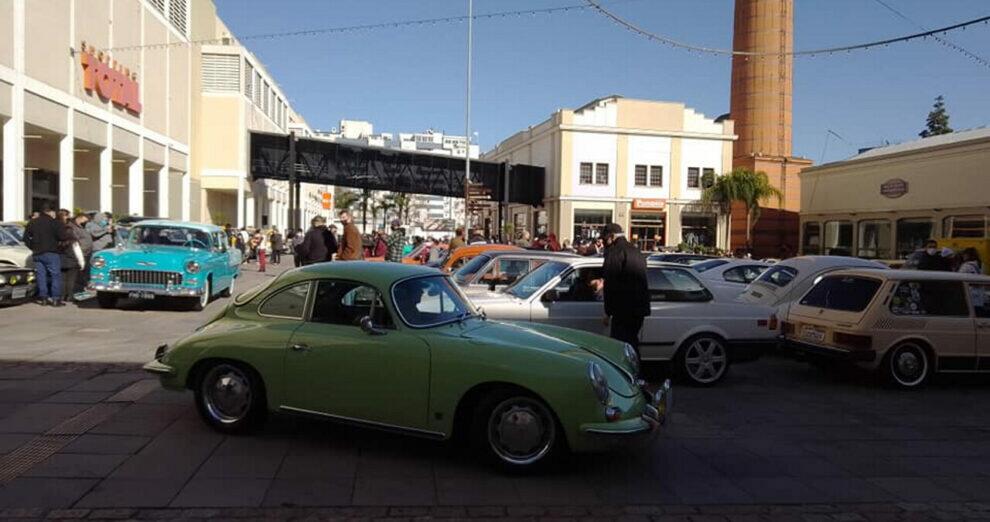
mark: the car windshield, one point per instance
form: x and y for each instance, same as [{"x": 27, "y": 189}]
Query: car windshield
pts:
[
  {"x": 535, "y": 280},
  {"x": 464, "y": 273},
  {"x": 430, "y": 301},
  {"x": 169, "y": 236},
  {"x": 704, "y": 266},
  {"x": 8, "y": 239},
  {"x": 14, "y": 230},
  {"x": 779, "y": 276}
]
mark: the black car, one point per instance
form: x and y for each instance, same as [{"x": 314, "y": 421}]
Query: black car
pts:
[{"x": 16, "y": 285}]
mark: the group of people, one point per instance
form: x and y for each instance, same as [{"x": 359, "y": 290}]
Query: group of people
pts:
[
  {"x": 259, "y": 244},
  {"x": 62, "y": 245},
  {"x": 946, "y": 259},
  {"x": 321, "y": 243}
]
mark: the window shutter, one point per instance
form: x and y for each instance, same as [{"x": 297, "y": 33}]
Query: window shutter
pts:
[{"x": 221, "y": 73}]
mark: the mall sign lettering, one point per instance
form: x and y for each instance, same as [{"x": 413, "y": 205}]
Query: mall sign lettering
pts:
[
  {"x": 649, "y": 204},
  {"x": 110, "y": 80}
]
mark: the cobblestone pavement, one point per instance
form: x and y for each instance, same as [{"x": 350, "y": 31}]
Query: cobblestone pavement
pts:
[{"x": 778, "y": 440}]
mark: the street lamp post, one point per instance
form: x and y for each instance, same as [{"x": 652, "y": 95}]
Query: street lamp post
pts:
[{"x": 467, "y": 124}]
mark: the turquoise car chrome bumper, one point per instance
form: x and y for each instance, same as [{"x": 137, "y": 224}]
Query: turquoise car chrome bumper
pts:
[{"x": 173, "y": 291}]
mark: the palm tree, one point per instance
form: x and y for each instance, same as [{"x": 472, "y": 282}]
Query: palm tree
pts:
[
  {"x": 741, "y": 185},
  {"x": 346, "y": 199},
  {"x": 400, "y": 202}
]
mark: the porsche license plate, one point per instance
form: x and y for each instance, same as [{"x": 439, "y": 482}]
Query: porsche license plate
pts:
[
  {"x": 19, "y": 293},
  {"x": 141, "y": 295},
  {"x": 813, "y": 334}
]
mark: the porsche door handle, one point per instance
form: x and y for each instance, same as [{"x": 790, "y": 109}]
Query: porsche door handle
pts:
[{"x": 300, "y": 347}]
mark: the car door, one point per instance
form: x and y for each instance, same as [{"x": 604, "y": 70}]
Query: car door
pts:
[
  {"x": 678, "y": 303},
  {"x": 947, "y": 327},
  {"x": 336, "y": 368},
  {"x": 979, "y": 297},
  {"x": 575, "y": 301},
  {"x": 218, "y": 263}
]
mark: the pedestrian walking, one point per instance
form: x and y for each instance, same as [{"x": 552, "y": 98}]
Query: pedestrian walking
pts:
[
  {"x": 101, "y": 231},
  {"x": 396, "y": 242},
  {"x": 277, "y": 244},
  {"x": 43, "y": 235},
  {"x": 350, "y": 245},
  {"x": 261, "y": 249},
  {"x": 970, "y": 262},
  {"x": 627, "y": 293}
]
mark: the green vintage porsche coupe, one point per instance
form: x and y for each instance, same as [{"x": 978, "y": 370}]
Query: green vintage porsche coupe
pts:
[{"x": 399, "y": 347}]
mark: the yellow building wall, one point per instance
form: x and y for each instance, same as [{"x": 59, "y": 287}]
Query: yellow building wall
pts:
[
  {"x": 46, "y": 41},
  {"x": 218, "y": 143},
  {"x": 7, "y": 33}
]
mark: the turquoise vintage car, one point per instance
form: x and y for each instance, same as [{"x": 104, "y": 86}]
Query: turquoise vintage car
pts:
[
  {"x": 399, "y": 347},
  {"x": 162, "y": 258}
]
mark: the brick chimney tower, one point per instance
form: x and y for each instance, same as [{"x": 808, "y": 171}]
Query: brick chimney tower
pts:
[{"x": 760, "y": 106}]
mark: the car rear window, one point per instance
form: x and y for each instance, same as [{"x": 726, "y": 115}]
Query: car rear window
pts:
[
  {"x": 779, "y": 276},
  {"x": 844, "y": 293}
]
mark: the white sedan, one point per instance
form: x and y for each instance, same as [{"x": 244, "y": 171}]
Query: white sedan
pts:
[
  {"x": 729, "y": 277},
  {"x": 689, "y": 325}
]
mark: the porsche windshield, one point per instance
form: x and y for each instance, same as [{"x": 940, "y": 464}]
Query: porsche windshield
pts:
[
  {"x": 169, "y": 236},
  {"x": 535, "y": 280}
]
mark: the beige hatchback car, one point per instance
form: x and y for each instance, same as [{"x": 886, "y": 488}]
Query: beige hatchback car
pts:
[{"x": 907, "y": 324}]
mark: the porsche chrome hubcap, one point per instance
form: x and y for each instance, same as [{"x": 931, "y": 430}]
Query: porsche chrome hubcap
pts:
[
  {"x": 521, "y": 430},
  {"x": 705, "y": 360},
  {"x": 227, "y": 393}
]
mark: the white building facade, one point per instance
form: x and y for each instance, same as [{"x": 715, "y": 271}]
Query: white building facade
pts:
[{"x": 638, "y": 163}]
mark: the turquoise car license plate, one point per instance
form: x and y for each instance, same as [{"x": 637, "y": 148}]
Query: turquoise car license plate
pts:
[{"x": 141, "y": 295}]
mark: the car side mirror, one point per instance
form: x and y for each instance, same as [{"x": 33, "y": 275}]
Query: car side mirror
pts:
[
  {"x": 550, "y": 296},
  {"x": 492, "y": 285},
  {"x": 368, "y": 325}
]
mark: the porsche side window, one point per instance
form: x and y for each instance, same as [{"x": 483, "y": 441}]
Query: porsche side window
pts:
[
  {"x": 288, "y": 303},
  {"x": 346, "y": 303}
]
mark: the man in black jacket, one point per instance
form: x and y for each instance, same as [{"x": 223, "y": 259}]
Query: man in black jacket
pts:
[
  {"x": 316, "y": 242},
  {"x": 627, "y": 292},
  {"x": 43, "y": 236}
]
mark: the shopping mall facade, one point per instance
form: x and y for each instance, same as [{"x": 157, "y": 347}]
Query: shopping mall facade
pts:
[{"x": 105, "y": 105}]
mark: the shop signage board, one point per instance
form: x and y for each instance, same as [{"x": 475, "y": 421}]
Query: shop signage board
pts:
[
  {"x": 327, "y": 201},
  {"x": 649, "y": 204},
  {"x": 894, "y": 188},
  {"x": 109, "y": 79}
]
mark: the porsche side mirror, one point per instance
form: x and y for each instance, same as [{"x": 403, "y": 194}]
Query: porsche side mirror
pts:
[{"x": 368, "y": 325}]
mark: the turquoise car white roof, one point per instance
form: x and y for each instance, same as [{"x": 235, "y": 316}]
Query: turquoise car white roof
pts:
[{"x": 205, "y": 227}]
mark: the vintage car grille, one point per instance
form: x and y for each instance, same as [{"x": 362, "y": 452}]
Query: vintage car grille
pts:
[{"x": 146, "y": 277}]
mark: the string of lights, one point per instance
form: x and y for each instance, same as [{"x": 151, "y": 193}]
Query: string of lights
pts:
[
  {"x": 360, "y": 28},
  {"x": 754, "y": 54},
  {"x": 944, "y": 41}
]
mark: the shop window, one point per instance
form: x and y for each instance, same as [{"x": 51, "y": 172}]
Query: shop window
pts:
[
  {"x": 965, "y": 227},
  {"x": 838, "y": 238},
  {"x": 647, "y": 230},
  {"x": 693, "y": 177},
  {"x": 911, "y": 235},
  {"x": 588, "y": 224},
  {"x": 656, "y": 176},
  {"x": 943, "y": 298},
  {"x": 874, "y": 239},
  {"x": 707, "y": 178},
  {"x": 586, "y": 177},
  {"x": 640, "y": 176},
  {"x": 601, "y": 174},
  {"x": 811, "y": 239},
  {"x": 698, "y": 230}
]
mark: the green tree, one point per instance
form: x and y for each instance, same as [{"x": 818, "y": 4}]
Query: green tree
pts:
[
  {"x": 744, "y": 185},
  {"x": 938, "y": 119},
  {"x": 400, "y": 201},
  {"x": 346, "y": 199}
]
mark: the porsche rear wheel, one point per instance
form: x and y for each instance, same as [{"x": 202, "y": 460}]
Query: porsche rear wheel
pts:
[{"x": 230, "y": 397}]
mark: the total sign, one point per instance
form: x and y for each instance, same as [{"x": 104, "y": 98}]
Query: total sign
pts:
[{"x": 109, "y": 80}]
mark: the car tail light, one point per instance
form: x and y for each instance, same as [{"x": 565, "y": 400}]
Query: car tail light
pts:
[
  {"x": 856, "y": 342},
  {"x": 786, "y": 328},
  {"x": 770, "y": 323}
]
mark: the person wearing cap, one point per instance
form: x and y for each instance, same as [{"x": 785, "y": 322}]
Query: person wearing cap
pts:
[
  {"x": 627, "y": 293},
  {"x": 396, "y": 242}
]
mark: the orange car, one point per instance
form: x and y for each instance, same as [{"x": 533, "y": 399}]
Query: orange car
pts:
[
  {"x": 420, "y": 254},
  {"x": 465, "y": 253}
]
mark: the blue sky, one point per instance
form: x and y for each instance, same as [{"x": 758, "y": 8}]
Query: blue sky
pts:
[{"x": 410, "y": 79}]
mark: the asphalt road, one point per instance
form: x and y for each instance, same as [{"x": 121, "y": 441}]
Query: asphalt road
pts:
[{"x": 84, "y": 433}]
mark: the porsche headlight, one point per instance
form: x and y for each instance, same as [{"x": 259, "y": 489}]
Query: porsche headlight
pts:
[
  {"x": 192, "y": 267},
  {"x": 598, "y": 382},
  {"x": 632, "y": 358},
  {"x": 98, "y": 262}
]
